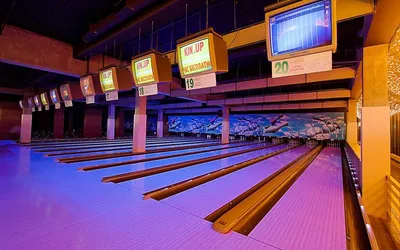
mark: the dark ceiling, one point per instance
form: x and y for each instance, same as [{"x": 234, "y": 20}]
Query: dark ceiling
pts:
[{"x": 96, "y": 22}]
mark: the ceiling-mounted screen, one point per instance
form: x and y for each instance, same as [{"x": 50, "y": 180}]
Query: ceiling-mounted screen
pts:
[
  {"x": 302, "y": 28},
  {"x": 107, "y": 81},
  {"x": 65, "y": 93},
  {"x": 43, "y": 97},
  {"x": 36, "y": 99},
  {"x": 30, "y": 102},
  {"x": 195, "y": 57},
  {"x": 54, "y": 96},
  {"x": 144, "y": 71},
  {"x": 202, "y": 53}
]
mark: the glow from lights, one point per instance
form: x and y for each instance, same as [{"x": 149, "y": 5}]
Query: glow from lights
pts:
[{"x": 394, "y": 74}]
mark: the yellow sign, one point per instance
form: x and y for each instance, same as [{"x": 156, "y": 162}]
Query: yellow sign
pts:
[
  {"x": 195, "y": 57},
  {"x": 144, "y": 71},
  {"x": 107, "y": 80},
  {"x": 43, "y": 97}
]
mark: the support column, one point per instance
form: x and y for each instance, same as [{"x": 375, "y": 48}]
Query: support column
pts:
[
  {"x": 111, "y": 122},
  {"x": 225, "y": 125},
  {"x": 139, "y": 124},
  {"x": 26, "y": 126},
  {"x": 160, "y": 123},
  {"x": 58, "y": 123},
  {"x": 351, "y": 119},
  {"x": 375, "y": 139}
]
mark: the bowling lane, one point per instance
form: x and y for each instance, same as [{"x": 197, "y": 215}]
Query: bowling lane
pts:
[
  {"x": 205, "y": 199},
  {"x": 106, "y": 143},
  {"x": 311, "y": 212},
  {"x": 128, "y": 148},
  {"x": 151, "y": 155},
  {"x": 105, "y": 146},
  {"x": 149, "y": 183},
  {"x": 158, "y": 163}
]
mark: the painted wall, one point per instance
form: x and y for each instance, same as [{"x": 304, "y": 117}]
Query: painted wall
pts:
[
  {"x": 10, "y": 120},
  {"x": 328, "y": 125}
]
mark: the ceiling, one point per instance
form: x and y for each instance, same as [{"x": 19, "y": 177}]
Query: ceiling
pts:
[{"x": 109, "y": 26}]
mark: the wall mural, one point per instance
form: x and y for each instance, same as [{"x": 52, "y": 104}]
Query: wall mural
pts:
[{"x": 328, "y": 125}]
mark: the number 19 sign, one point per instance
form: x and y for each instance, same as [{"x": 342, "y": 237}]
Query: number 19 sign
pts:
[
  {"x": 202, "y": 81},
  {"x": 302, "y": 65}
]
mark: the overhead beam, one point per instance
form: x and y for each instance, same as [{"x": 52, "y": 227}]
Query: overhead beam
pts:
[
  {"x": 12, "y": 91},
  {"x": 27, "y": 49},
  {"x": 384, "y": 23},
  {"x": 290, "y": 97},
  {"x": 335, "y": 74},
  {"x": 291, "y": 106}
]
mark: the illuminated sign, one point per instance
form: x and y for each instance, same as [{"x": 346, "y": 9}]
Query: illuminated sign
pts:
[
  {"x": 195, "y": 57},
  {"x": 43, "y": 98},
  {"x": 53, "y": 96},
  {"x": 144, "y": 71},
  {"x": 88, "y": 91},
  {"x": 107, "y": 80},
  {"x": 30, "y": 102},
  {"x": 37, "y": 101},
  {"x": 65, "y": 93}
]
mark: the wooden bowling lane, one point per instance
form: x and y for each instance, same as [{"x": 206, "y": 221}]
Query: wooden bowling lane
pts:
[
  {"x": 94, "y": 148},
  {"x": 157, "y": 170},
  {"x": 115, "y": 149},
  {"x": 311, "y": 213},
  {"x": 203, "y": 200},
  {"x": 161, "y": 157}
]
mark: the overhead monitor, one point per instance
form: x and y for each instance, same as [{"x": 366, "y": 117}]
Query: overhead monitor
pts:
[
  {"x": 36, "y": 99},
  {"x": 302, "y": 28},
  {"x": 151, "y": 67},
  {"x": 90, "y": 85},
  {"x": 202, "y": 53},
  {"x": 55, "y": 98},
  {"x": 65, "y": 92},
  {"x": 21, "y": 104},
  {"x": 31, "y": 102},
  {"x": 44, "y": 98},
  {"x": 108, "y": 79}
]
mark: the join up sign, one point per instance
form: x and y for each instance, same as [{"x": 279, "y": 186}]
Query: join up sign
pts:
[{"x": 195, "y": 57}]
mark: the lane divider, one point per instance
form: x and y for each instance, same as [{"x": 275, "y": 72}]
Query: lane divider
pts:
[
  {"x": 244, "y": 212},
  {"x": 167, "y": 191},
  {"x": 110, "y": 142},
  {"x": 106, "y": 147},
  {"x": 146, "y": 172},
  {"x": 75, "y": 159},
  {"x": 122, "y": 163}
]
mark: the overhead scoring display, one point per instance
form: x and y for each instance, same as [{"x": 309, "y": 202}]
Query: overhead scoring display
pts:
[
  {"x": 144, "y": 71},
  {"x": 43, "y": 97},
  {"x": 195, "y": 57},
  {"x": 107, "y": 80},
  {"x": 302, "y": 28}
]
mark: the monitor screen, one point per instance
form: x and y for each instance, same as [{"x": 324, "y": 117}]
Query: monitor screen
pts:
[
  {"x": 144, "y": 71},
  {"x": 53, "y": 96},
  {"x": 36, "y": 100},
  {"x": 87, "y": 88},
  {"x": 195, "y": 57},
  {"x": 107, "y": 80},
  {"x": 43, "y": 98},
  {"x": 302, "y": 28},
  {"x": 30, "y": 102},
  {"x": 65, "y": 93}
]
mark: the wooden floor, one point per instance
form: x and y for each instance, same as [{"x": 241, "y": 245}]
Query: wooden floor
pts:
[{"x": 48, "y": 205}]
